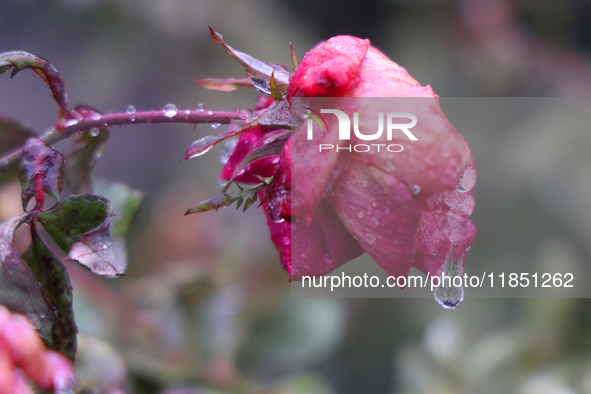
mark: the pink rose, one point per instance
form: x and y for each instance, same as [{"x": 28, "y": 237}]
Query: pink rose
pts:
[{"x": 405, "y": 209}]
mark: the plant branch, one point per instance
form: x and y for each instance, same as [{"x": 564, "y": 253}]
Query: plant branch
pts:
[{"x": 69, "y": 127}]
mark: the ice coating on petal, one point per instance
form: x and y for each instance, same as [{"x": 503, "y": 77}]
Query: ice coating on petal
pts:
[
  {"x": 381, "y": 213},
  {"x": 331, "y": 68},
  {"x": 321, "y": 246},
  {"x": 444, "y": 228},
  {"x": 435, "y": 161}
]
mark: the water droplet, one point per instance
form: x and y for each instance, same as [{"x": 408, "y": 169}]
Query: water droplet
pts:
[
  {"x": 328, "y": 260},
  {"x": 210, "y": 112},
  {"x": 415, "y": 189},
  {"x": 215, "y": 125},
  {"x": 227, "y": 150},
  {"x": 387, "y": 211},
  {"x": 370, "y": 238},
  {"x": 243, "y": 114},
  {"x": 71, "y": 122},
  {"x": 203, "y": 143},
  {"x": 170, "y": 110},
  {"x": 468, "y": 248},
  {"x": 467, "y": 180},
  {"x": 130, "y": 109},
  {"x": 200, "y": 107},
  {"x": 447, "y": 295},
  {"x": 375, "y": 221},
  {"x": 222, "y": 183},
  {"x": 360, "y": 215},
  {"x": 42, "y": 315},
  {"x": 260, "y": 84},
  {"x": 94, "y": 132}
]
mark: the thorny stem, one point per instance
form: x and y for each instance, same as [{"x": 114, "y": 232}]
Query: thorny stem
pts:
[{"x": 53, "y": 136}]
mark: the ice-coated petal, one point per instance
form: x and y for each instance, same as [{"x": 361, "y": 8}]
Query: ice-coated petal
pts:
[
  {"x": 381, "y": 213},
  {"x": 444, "y": 228}
]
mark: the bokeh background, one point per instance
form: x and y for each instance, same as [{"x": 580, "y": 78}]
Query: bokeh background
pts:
[{"x": 205, "y": 306}]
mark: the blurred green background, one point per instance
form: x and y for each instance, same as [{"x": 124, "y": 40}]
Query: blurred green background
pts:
[{"x": 205, "y": 306}]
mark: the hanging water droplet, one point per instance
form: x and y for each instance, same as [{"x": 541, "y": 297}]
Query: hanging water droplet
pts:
[
  {"x": 200, "y": 107},
  {"x": 222, "y": 183},
  {"x": 94, "y": 132},
  {"x": 415, "y": 189},
  {"x": 468, "y": 248},
  {"x": 447, "y": 295},
  {"x": 170, "y": 110},
  {"x": 203, "y": 143},
  {"x": 130, "y": 110},
  {"x": 227, "y": 150},
  {"x": 42, "y": 315},
  {"x": 467, "y": 180},
  {"x": 260, "y": 84},
  {"x": 215, "y": 125}
]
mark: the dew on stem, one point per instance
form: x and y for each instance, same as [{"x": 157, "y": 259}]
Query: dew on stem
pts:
[{"x": 170, "y": 110}]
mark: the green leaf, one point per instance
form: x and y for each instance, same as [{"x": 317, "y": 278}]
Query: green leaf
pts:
[
  {"x": 69, "y": 220},
  {"x": 57, "y": 288},
  {"x": 19, "y": 289},
  {"x": 42, "y": 172},
  {"x": 275, "y": 93}
]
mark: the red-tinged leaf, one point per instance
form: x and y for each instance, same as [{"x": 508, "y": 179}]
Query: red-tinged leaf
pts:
[
  {"x": 57, "y": 288},
  {"x": 42, "y": 172},
  {"x": 93, "y": 251},
  {"x": 225, "y": 84},
  {"x": 294, "y": 59},
  {"x": 19, "y": 289},
  {"x": 259, "y": 71},
  {"x": 19, "y": 60}
]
